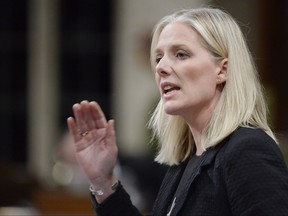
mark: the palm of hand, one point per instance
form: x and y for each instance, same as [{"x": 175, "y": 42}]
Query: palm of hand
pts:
[
  {"x": 97, "y": 153},
  {"x": 96, "y": 149}
]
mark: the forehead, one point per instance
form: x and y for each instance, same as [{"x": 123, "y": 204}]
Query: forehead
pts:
[{"x": 177, "y": 33}]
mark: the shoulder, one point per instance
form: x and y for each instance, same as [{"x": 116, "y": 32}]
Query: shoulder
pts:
[
  {"x": 250, "y": 139},
  {"x": 253, "y": 145},
  {"x": 254, "y": 172},
  {"x": 250, "y": 134}
]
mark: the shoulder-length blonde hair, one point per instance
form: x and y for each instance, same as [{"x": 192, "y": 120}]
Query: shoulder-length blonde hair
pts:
[{"x": 241, "y": 102}]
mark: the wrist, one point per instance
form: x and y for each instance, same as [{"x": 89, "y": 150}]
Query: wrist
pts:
[{"x": 102, "y": 191}]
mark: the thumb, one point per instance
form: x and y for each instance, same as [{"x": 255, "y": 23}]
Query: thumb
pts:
[{"x": 110, "y": 136}]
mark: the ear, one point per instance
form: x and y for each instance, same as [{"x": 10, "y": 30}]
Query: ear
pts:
[{"x": 222, "y": 73}]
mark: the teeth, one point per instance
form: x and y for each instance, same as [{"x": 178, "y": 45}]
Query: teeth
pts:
[{"x": 167, "y": 87}]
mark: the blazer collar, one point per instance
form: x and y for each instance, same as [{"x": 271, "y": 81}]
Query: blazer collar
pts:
[
  {"x": 205, "y": 159},
  {"x": 168, "y": 188}
]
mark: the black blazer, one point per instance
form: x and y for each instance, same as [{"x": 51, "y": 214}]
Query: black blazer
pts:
[{"x": 244, "y": 175}]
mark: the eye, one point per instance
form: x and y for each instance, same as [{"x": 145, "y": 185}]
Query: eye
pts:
[
  {"x": 181, "y": 55},
  {"x": 157, "y": 59}
]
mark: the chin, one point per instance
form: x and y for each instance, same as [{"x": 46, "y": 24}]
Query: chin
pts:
[{"x": 171, "y": 110}]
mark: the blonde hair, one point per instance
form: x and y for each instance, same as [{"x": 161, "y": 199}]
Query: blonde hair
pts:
[{"x": 241, "y": 102}]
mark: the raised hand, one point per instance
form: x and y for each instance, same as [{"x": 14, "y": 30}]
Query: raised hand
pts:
[{"x": 95, "y": 144}]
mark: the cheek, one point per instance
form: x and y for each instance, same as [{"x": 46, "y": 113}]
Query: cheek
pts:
[
  {"x": 204, "y": 75},
  {"x": 157, "y": 80},
  {"x": 200, "y": 82}
]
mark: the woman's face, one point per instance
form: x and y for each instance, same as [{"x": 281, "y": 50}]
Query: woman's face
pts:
[{"x": 186, "y": 73}]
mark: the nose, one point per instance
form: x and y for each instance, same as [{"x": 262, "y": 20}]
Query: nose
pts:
[{"x": 163, "y": 68}]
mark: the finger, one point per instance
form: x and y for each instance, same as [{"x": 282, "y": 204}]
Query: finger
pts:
[
  {"x": 79, "y": 111},
  {"x": 98, "y": 115},
  {"x": 110, "y": 134},
  {"x": 87, "y": 115},
  {"x": 73, "y": 130}
]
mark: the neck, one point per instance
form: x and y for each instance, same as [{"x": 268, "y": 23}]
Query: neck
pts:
[
  {"x": 197, "y": 122},
  {"x": 197, "y": 136}
]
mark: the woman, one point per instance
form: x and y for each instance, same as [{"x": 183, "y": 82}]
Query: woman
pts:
[{"x": 210, "y": 121}]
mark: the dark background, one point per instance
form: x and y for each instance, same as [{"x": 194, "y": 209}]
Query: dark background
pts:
[
  {"x": 85, "y": 58},
  {"x": 85, "y": 66}
]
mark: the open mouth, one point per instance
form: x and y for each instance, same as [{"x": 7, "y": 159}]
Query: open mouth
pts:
[{"x": 170, "y": 88}]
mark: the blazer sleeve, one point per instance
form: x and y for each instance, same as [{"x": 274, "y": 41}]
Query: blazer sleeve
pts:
[
  {"x": 118, "y": 204},
  {"x": 256, "y": 175}
]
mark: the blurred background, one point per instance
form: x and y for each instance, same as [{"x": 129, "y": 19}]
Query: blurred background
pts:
[{"x": 54, "y": 53}]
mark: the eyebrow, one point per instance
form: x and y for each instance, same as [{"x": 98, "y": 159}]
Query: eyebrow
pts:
[{"x": 172, "y": 47}]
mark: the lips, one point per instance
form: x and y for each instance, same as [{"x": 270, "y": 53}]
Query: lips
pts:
[{"x": 168, "y": 87}]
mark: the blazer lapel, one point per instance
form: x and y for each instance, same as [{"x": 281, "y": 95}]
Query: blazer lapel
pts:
[
  {"x": 167, "y": 189},
  {"x": 205, "y": 159}
]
